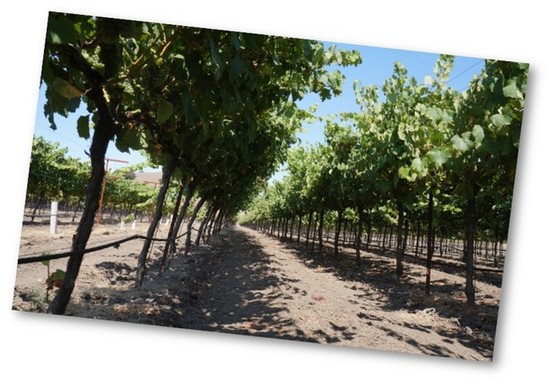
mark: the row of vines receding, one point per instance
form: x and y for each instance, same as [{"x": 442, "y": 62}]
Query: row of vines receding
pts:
[
  {"x": 421, "y": 169},
  {"x": 215, "y": 109}
]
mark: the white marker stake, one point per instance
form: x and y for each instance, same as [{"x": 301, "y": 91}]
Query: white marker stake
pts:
[
  {"x": 121, "y": 225},
  {"x": 134, "y": 225},
  {"x": 53, "y": 218}
]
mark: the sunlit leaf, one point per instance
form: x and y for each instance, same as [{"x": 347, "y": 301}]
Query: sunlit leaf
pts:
[
  {"x": 477, "y": 133},
  {"x": 511, "y": 90},
  {"x": 439, "y": 156},
  {"x": 404, "y": 172},
  {"x": 459, "y": 144},
  {"x": 501, "y": 120}
]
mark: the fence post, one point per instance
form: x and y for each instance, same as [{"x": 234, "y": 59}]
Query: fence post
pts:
[{"x": 53, "y": 218}]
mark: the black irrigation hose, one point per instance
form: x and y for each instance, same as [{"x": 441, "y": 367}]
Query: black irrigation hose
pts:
[
  {"x": 436, "y": 262},
  {"x": 41, "y": 258},
  {"x": 456, "y": 266}
]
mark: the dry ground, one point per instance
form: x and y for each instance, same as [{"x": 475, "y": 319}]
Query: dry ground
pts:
[{"x": 245, "y": 282}]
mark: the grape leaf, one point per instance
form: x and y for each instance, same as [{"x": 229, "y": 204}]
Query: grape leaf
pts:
[
  {"x": 459, "y": 144},
  {"x": 501, "y": 120},
  {"x": 61, "y": 31},
  {"x": 478, "y": 133},
  {"x": 165, "y": 110},
  {"x": 83, "y": 126},
  {"x": 511, "y": 90},
  {"x": 439, "y": 156},
  {"x": 65, "y": 89}
]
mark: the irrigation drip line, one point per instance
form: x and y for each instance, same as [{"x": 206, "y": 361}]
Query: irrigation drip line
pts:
[
  {"x": 456, "y": 266},
  {"x": 115, "y": 244},
  {"x": 66, "y": 247}
]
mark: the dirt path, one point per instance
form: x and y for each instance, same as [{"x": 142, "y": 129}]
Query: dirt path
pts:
[
  {"x": 246, "y": 282},
  {"x": 264, "y": 288}
]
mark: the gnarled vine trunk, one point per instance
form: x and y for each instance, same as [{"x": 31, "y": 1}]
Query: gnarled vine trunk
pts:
[
  {"x": 167, "y": 171},
  {"x": 104, "y": 132},
  {"x": 171, "y": 236}
]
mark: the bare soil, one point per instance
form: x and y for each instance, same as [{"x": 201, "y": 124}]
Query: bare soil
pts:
[{"x": 246, "y": 282}]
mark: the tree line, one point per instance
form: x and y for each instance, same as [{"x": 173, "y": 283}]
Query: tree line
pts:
[{"x": 55, "y": 176}]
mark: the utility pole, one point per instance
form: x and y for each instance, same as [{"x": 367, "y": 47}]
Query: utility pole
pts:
[{"x": 99, "y": 212}]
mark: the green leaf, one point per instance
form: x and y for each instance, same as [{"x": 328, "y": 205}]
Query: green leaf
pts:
[
  {"x": 446, "y": 117},
  {"x": 401, "y": 134},
  {"x": 47, "y": 73},
  {"x": 237, "y": 66},
  {"x": 404, "y": 172},
  {"x": 318, "y": 54},
  {"x": 165, "y": 110},
  {"x": 235, "y": 40},
  {"x": 214, "y": 53},
  {"x": 434, "y": 114},
  {"x": 478, "y": 133},
  {"x": 133, "y": 139},
  {"x": 65, "y": 89},
  {"x": 417, "y": 165},
  {"x": 61, "y": 31},
  {"x": 58, "y": 275},
  {"x": 421, "y": 108},
  {"x": 459, "y": 144},
  {"x": 384, "y": 185},
  {"x": 342, "y": 167},
  {"x": 511, "y": 90},
  {"x": 466, "y": 136},
  {"x": 275, "y": 58},
  {"x": 439, "y": 156},
  {"x": 335, "y": 82},
  {"x": 121, "y": 144},
  {"x": 83, "y": 126},
  {"x": 501, "y": 120}
]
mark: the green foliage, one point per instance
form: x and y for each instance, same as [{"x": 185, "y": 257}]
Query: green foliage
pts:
[
  {"x": 165, "y": 110},
  {"x": 221, "y": 102},
  {"x": 421, "y": 139},
  {"x": 83, "y": 126},
  {"x": 53, "y": 175},
  {"x": 55, "y": 279}
]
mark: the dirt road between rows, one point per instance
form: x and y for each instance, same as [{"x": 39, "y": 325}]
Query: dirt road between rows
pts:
[{"x": 246, "y": 282}]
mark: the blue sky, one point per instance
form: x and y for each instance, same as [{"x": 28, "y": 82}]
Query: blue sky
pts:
[{"x": 377, "y": 65}]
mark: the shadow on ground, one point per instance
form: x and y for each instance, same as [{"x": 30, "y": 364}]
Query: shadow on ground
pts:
[
  {"x": 225, "y": 286},
  {"x": 230, "y": 285},
  {"x": 475, "y": 328},
  {"x": 250, "y": 301}
]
